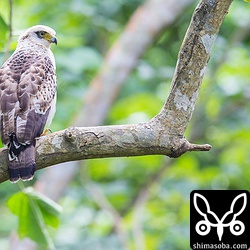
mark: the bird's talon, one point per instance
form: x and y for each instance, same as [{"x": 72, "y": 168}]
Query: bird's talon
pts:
[{"x": 47, "y": 131}]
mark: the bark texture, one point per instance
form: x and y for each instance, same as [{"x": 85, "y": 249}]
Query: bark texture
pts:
[{"x": 164, "y": 134}]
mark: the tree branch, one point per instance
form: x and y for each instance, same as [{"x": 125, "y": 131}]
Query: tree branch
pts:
[
  {"x": 192, "y": 62},
  {"x": 164, "y": 134},
  {"x": 79, "y": 143},
  {"x": 162, "y": 14},
  {"x": 144, "y": 26}
]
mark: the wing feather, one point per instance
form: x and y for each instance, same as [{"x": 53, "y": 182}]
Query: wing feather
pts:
[
  {"x": 26, "y": 96},
  {"x": 8, "y": 102},
  {"x": 35, "y": 92}
]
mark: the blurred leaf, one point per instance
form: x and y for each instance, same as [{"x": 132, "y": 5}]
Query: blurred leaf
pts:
[
  {"x": 4, "y": 29},
  {"x": 35, "y": 212},
  {"x": 139, "y": 107},
  {"x": 86, "y": 31},
  {"x": 80, "y": 59}
]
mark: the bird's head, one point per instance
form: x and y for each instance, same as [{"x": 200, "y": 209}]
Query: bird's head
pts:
[{"x": 39, "y": 34}]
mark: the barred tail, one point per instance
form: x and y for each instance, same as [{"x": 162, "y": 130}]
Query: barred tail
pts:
[{"x": 21, "y": 160}]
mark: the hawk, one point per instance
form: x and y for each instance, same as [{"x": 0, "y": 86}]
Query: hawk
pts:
[{"x": 27, "y": 98}]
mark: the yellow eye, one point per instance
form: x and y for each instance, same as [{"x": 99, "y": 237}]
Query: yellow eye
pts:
[{"x": 41, "y": 34}]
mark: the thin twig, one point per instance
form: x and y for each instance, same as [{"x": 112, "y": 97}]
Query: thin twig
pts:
[
  {"x": 100, "y": 199},
  {"x": 146, "y": 186}
]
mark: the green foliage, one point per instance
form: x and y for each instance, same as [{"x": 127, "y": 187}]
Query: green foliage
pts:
[
  {"x": 4, "y": 32},
  {"x": 85, "y": 31},
  {"x": 35, "y": 213}
]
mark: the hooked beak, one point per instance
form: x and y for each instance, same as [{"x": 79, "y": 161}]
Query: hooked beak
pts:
[{"x": 54, "y": 40}]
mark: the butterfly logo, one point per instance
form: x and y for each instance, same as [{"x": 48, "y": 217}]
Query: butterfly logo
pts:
[{"x": 203, "y": 227}]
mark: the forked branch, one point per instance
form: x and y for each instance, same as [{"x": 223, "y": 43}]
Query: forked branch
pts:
[{"x": 164, "y": 134}]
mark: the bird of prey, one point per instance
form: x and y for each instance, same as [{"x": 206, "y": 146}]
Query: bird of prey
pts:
[{"x": 27, "y": 98}]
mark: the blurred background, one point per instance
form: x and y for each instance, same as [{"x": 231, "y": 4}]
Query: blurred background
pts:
[{"x": 115, "y": 61}]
